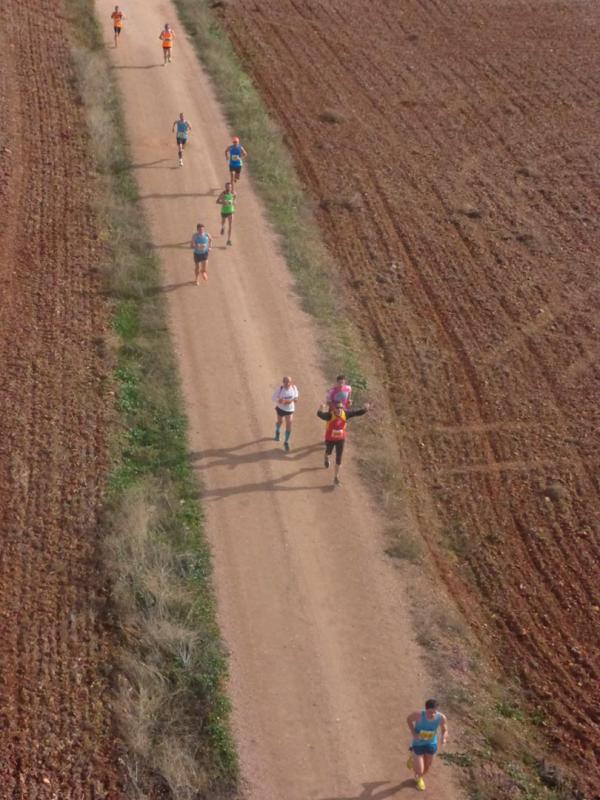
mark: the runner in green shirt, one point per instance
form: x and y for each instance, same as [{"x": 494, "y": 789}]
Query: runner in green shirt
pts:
[{"x": 227, "y": 200}]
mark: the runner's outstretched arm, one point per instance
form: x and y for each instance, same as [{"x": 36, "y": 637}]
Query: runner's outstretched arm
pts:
[
  {"x": 444, "y": 729},
  {"x": 357, "y": 412}
]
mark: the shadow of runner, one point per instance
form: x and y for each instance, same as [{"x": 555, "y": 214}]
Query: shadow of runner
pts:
[
  {"x": 229, "y": 457},
  {"x": 149, "y": 165},
  {"x": 135, "y": 66},
  {"x": 170, "y": 287},
  {"x": 174, "y": 246},
  {"x": 175, "y": 195},
  {"x": 369, "y": 793},
  {"x": 272, "y": 485}
]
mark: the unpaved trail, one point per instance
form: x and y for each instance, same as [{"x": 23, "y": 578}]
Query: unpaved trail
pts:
[{"x": 324, "y": 667}]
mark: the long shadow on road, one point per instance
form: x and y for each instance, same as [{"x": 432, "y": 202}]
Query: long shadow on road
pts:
[
  {"x": 176, "y": 195},
  {"x": 231, "y": 458},
  {"x": 136, "y": 66},
  {"x": 173, "y": 246},
  {"x": 151, "y": 164},
  {"x": 271, "y": 485},
  {"x": 369, "y": 791}
]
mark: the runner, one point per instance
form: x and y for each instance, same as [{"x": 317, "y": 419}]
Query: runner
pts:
[
  {"x": 167, "y": 36},
  {"x": 234, "y": 155},
  {"x": 340, "y": 393},
  {"x": 117, "y": 17},
  {"x": 285, "y": 404},
  {"x": 183, "y": 129},
  {"x": 336, "y": 418},
  {"x": 227, "y": 199},
  {"x": 424, "y": 727},
  {"x": 202, "y": 244}
]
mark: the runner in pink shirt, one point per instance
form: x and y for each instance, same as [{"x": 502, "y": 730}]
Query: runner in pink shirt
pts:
[{"x": 340, "y": 393}]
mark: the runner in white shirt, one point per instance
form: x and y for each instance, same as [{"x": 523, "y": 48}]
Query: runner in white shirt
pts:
[{"x": 285, "y": 397}]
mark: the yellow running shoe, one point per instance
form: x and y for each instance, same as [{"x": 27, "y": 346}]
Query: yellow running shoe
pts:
[{"x": 420, "y": 784}]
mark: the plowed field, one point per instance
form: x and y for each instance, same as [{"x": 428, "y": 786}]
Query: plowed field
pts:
[
  {"x": 56, "y": 739},
  {"x": 453, "y": 151}
]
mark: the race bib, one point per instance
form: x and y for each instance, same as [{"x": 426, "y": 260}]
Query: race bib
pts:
[
  {"x": 337, "y": 434},
  {"x": 426, "y": 736}
]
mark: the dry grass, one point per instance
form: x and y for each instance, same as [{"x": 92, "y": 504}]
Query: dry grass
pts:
[
  {"x": 163, "y": 657},
  {"x": 404, "y": 544}
]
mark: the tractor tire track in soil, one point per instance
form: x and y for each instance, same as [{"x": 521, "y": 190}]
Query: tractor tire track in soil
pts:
[
  {"x": 458, "y": 189},
  {"x": 57, "y": 739}
]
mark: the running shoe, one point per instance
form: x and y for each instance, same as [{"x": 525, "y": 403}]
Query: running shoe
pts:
[
  {"x": 286, "y": 447},
  {"x": 326, "y": 462},
  {"x": 420, "y": 784},
  {"x": 337, "y": 482},
  {"x": 276, "y": 437},
  {"x": 228, "y": 241},
  {"x": 181, "y": 162}
]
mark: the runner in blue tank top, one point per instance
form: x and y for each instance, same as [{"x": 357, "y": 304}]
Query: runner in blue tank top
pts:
[
  {"x": 183, "y": 128},
  {"x": 201, "y": 244},
  {"x": 234, "y": 156},
  {"x": 424, "y": 727}
]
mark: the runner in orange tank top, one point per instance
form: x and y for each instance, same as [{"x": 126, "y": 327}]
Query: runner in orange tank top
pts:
[
  {"x": 167, "y": 36},
  {"x": 117, "y": 17}
]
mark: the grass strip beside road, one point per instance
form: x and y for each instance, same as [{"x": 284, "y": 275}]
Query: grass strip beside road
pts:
[
  {"x": 170, "y": 703},
  {"x": 502, "y": 754}
]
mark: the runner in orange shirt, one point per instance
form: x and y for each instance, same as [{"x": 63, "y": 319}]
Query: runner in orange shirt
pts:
[
  {"x": 167, "y": 36},
  {"x": 117, "y": 17}
]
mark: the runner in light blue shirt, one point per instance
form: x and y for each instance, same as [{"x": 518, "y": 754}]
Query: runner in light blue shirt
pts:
[
  {"x": 183, "y": 128},
  {"x": 201, "y": 244}
]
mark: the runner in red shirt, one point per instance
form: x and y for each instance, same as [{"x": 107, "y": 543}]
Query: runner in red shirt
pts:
[{"x": 336, "y": 418}]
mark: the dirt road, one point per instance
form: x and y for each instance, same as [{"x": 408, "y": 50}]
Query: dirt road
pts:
[{"x": 324, "y": 665}]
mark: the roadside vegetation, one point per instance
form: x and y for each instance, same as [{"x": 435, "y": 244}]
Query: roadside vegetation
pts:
[
  {"x": 169, "y": 703},
  {"x": 498, "y": 746}
]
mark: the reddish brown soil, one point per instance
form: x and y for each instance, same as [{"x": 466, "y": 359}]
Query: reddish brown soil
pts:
[
  {"x": 56, "y": 739},
  {"x": 453, "y": 148}
]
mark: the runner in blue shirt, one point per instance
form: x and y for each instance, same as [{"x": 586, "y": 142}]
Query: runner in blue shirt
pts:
[
  {"x": 201, "y": 244},
  {"x": 183, "y": 130},
  {"x": 234, "y": 155},
  {"x": 424, "y": 726}
]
